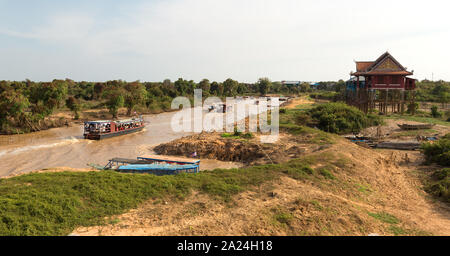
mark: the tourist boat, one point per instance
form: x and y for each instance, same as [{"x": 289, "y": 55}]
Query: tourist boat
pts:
[{"x": 97, "y": 130}]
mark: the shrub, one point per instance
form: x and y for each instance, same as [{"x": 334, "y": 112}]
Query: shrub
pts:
[
  {"x": 438, "y": 152},
  {"x": 441, "y": 186},
  {"x": 434, "y": 112},
  {"x": 340, "y": 118}
]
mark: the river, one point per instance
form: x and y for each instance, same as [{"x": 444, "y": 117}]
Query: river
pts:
[{"x": 65, "y": 147}]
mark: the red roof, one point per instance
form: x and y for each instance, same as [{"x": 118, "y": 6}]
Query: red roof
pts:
[
  {"x": 362, "y": 66},
  {"x": 386, "y": 64}
]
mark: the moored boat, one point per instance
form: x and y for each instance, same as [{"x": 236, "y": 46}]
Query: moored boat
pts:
[
  {"x": 415, "y": 126},
  {"x": 97, "y": 130}
]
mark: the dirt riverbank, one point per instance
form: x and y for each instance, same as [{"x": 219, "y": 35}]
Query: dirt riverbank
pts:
[{"x": 372, "y": 191}]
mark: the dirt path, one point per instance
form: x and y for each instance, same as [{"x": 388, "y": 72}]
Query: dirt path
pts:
[{"x": 298, "y": 101}]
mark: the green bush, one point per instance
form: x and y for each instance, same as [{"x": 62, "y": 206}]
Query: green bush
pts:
[
  {"x": 438, "y": 152},
  {"x": 340, "y": 118},
  {"x": 434, "y": 112},
  {"x": 441, "y": 186}
]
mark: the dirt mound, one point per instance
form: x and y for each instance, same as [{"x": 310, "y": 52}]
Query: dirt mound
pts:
[{"x": 247, "y": 151}]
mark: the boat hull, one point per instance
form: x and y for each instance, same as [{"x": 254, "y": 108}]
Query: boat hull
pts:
[
  {"x": 113, "y": 134},
  {"x": 415, "y": 126}
]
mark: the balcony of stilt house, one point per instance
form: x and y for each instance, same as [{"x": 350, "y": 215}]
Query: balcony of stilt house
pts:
[{"x": 382, "y": 86}]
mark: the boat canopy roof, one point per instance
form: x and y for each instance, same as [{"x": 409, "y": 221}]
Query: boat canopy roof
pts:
[
  {"x": 118, "y": 121},
  {"x": 166, "y": 167},
  {"x": 98, "y": 122}
]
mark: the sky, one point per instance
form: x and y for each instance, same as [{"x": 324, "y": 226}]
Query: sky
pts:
[{"x": 306, "y": 40}]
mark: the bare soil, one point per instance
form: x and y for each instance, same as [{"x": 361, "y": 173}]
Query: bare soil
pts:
[
  {"x": 391, "y": 131},
  {"x": 298, "y": 101}
]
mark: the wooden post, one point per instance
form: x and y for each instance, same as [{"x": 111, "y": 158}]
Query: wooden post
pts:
[{"x": 385, "y": 102}]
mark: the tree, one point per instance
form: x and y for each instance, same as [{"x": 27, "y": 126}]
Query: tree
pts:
[
  {"x": 229, "y": 87},
  {"x": 12, "y": 105},
  {"x": 136, "y": 94},
  {"x": 48, "y": 96},
  {"x": 264, "y": 85},
  {"x": 98, "y": 90},
  {"x": 181, "y": 86},
  {"x": 74, "y": 105},
  {"x": 115, "y": 99},
  {"x": 241, "y": 89},
  {"x": 304, "y": 87},
  {"x": 216, "y": 89},
  {"x": 205, "y": 85}
]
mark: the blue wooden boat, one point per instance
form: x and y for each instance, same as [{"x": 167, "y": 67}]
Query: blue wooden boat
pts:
[{"x": 158, "y": 169}]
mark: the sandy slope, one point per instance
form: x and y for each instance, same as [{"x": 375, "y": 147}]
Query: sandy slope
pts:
[{"x": 316, "y": 208}]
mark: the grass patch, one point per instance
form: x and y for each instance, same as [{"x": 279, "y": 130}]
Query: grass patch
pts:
[
  {"x": 398, "y": 231},
  {"x": 56, "y": 203},
  {"x": 281, "y": 216},
  {"x": 384, "y": 217},
  {"x": 327, "y": 174},
  {"x": 229, "y": 135},
  {"x": 365, "y": 189},
  {"x": 238, "y": 135},
  {"x": 317, "y": 205}
]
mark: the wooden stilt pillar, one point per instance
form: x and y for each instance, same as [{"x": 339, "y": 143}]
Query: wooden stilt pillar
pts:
[{"x": 385, "y": 102}]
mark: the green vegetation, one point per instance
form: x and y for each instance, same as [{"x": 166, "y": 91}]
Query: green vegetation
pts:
[
  {"x": 384, "y": 217},
  {"x": 237, "y": 135},
  {"x": 325, "y": 95},
  {"x": 435, "y": 113},
  {"x": 293, "y": 121},
  {"x": 430, "y": 91},
  {"x": 329, "y": 117},
  {"x": 74, "y": 105},
  {"x": 281, "y": 216},
  {"x": 397, "y": 230},
  {"x": 440, "y": 185},
  {"x": 327, "y": 174},
  {"x": 340, "y": 118},
  {"x": 25, "y": 104},
  {"x": 438, "y": 152}
]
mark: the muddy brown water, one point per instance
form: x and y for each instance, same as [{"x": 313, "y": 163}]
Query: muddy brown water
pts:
[{"x": 65, "y": 147}]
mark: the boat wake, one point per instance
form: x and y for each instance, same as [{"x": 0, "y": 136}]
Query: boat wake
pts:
[{"x": 69, "y": 141}]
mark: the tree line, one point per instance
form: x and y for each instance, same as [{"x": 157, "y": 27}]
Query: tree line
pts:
[{"x": 24, "y": 104}]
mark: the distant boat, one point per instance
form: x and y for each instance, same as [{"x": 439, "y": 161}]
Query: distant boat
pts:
[
  {"x": 415, "y": 126},
  {"x": 97, "y": 130}
]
